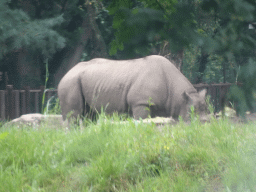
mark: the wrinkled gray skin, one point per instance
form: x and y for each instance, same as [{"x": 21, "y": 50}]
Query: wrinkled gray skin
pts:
[{"x": 125, "y": 86}]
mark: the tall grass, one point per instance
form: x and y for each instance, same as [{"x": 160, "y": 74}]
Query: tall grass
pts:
[
  {"x": 216, "y": 156},
  {"x": 45, "y": 84}
]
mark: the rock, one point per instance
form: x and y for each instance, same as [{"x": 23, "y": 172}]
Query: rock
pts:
[
  {"x": 229, "y": 112},
  {"x": 159, "y": 120},
  {"x": 36, "y": 119}
]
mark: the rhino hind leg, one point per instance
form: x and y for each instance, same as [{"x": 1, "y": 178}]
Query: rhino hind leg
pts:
[
  {"x": 89, "y": 113},
  {"x": 72, "y": 104}
]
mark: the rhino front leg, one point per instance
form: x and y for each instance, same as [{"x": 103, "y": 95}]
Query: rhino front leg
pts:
[{"x": 140, "y": 111}]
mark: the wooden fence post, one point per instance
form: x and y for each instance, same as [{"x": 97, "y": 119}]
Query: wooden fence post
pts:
[
  {"x": 9, "y": 103},
  {"x": 23, "y": 102},
  {"x": 223, "y": 94},
  {"x": 16, "y": 103},
  {"x": 6, "y": 78},
  {"x": 27, "y": 98},
  {"x": 214, "y": 100},
  {"x": 2, "y": 104},
  {"x": 37, "y": 102}
]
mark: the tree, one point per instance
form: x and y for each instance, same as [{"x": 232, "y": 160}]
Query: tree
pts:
[
  {"x": 85, "y": 36},
  {"x": 139, "y": 24},
  {"x": 58, "y": 30},
  {"x": 18, "y": 31},
  {"x": 19, "y": 35},
  {"x": 217, "y": 27},
  {"x": 236, "y": 43}
]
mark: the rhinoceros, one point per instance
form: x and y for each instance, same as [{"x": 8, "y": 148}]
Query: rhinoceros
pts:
[{"x": 129, "y": 86}]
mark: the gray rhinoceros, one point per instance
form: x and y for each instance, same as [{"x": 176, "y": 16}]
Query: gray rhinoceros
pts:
[{"x": 127, "y": 86}]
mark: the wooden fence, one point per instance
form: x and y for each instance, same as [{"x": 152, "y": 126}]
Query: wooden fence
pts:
[{"x": 14, "y": 103}]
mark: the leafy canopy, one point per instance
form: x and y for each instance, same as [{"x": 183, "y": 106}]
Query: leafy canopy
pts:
[
  {"x": 18, "y": 30},
  {"x": 138, "y": 24}
]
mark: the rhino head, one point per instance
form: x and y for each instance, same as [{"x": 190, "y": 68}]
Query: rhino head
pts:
[{"x": 197, "y": 100}]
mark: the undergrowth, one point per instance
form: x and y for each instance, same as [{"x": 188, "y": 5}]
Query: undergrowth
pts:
[{"x": 130, "y": 156}]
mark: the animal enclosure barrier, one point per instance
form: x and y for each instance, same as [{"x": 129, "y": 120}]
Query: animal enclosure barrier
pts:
[
  {"x": 14, "y": 103},
  {"x": 217, "y": 92}
]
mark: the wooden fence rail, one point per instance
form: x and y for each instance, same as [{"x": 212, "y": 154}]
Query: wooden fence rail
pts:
[{"x": 14, "y": 103}]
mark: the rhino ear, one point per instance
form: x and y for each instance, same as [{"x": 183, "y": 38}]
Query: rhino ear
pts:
[
  {"x": 188, "y": 98},
  {"x": 202, "y": 93}
]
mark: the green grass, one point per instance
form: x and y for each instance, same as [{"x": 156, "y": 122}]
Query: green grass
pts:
[{"x": 216, "y": 156}]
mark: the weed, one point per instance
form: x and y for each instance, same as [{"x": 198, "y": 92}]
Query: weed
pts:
[
  {"x": 150, "y": 103},
  {"x": 45, "y": 83}
]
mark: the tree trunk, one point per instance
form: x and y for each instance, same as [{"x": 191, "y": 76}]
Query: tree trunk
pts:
[
  {"x": 72, "y": 56},
  {"x": 203, "y": 59},
  {"x": 100, "y": 48}
]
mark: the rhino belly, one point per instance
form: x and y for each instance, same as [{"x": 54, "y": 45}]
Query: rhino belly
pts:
[
  {"x": 110, "y": 98},
  {"x": 109, "y": 103}
]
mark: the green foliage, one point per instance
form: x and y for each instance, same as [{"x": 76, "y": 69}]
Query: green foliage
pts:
[
  {"x": 190, "y": 65},
  {"x": 116, "y": 5},
  {"x": 135, "y": 29},
  {"x": 214, "y": 68},
  {"x": 150, "y": 103},
  {"x": 139, "y": 25},
  {"x": 223, "y": 26},
  {"x": 209, "y": 104},
  {"x": 232, "y": 36},
  {"x": 244, "y": 96},
  {"x": 214, "y": 71},
  {"x": 52, "y": 107},
  {"x": 18, "y": 30}
]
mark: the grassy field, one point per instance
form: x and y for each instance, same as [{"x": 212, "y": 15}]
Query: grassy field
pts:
[{"x": 216, "y": 156}]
